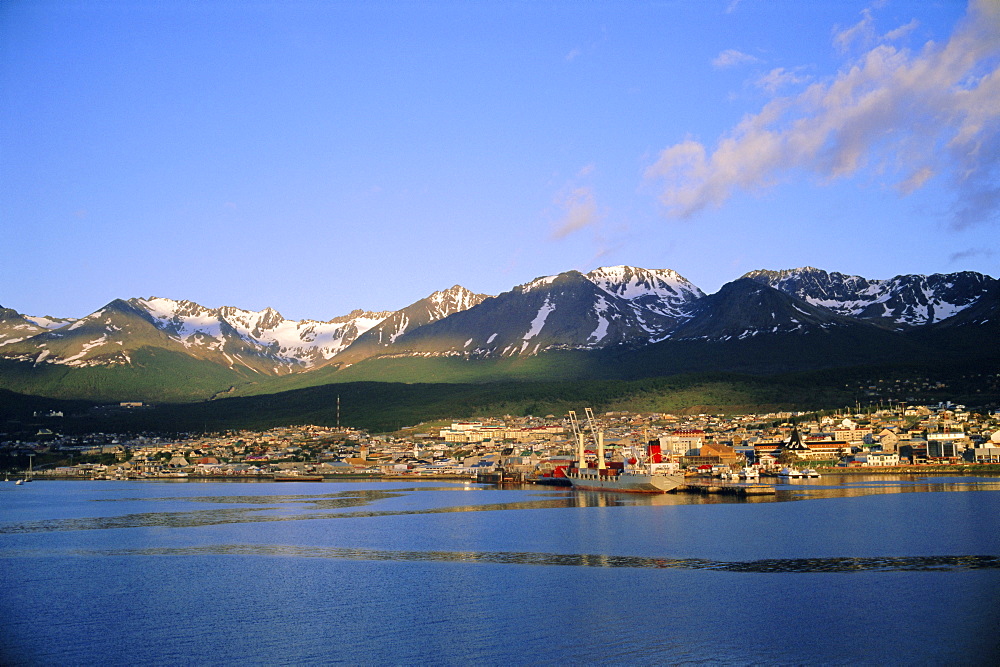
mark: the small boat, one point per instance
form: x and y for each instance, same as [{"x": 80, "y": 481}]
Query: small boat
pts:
[
  {"x": 27, "y": 475},
  {"x": 790, "y": 473},
  {"x": 749, "y": 474},
  {"x": 809, "y": 472}
]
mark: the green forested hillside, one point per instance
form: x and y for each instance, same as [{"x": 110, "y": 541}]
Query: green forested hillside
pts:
[
  {"x": 154, "y": 375},
  {"x": 388, "y": 406}
]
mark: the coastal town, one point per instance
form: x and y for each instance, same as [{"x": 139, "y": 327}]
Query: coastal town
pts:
[{"x": 528, "y": 448}]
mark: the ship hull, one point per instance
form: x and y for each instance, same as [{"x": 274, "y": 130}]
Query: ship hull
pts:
[{"x": 625, "y": 482}]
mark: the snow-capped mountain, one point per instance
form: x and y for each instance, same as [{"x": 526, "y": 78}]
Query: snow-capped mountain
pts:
[
  {"x": 383, "y": 334},
  {"x": 616, "y": 310},
  {"x": 287, "y": 342},
  {"x": 103, "y": 338},
  {"x": 662, "y": 291},
  {"x": 746, "y": 308},
  {"x": 607, "y": 307},
  {"x": 902, "y": 302},
  {"x": 262, "y": 341}
]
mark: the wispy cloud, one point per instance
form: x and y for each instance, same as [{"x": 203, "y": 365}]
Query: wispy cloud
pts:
[
  {"x": 913, "y": 116},
  {"x": 972, "y": 252},
  {"x": 862, "y": 32},
  {"x": 780, "y": 77},
  {"x": 732, "y": 58},
  {"x": 902, "y": 31},
  {"x": 580, "y": 211}
]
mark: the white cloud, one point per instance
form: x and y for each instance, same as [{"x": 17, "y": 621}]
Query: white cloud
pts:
[
  {"x": 918, "y": 115},
  {"x": 732, "y": 58}
]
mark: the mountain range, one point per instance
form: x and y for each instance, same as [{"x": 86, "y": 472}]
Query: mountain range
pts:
[{"x": 611, "y": 322}]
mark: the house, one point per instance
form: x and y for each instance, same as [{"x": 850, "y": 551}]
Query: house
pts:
[
  {"x": 888, "y": 439},
  {"x": 875, "y": 459}
]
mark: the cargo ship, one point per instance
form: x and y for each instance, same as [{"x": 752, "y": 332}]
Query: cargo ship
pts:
[
  {"x": 640, "y": 472},
  {"x": 624, "y": 481}
]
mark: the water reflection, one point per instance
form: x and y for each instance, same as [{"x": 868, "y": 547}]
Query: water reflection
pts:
[
  {"x": 288, "y": 507},
  {"x": 315, "y": 508},
  {"x": 773, "y": 565},
  {"x": 850, "y": 486}
]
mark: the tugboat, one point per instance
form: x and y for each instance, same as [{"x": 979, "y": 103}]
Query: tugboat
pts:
[{"x": 646, "y": 473}]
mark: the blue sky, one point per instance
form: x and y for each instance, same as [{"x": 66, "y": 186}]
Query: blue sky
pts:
[{"x": 318, "y": 157}]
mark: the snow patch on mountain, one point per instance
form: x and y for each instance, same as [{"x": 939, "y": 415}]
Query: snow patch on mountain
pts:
[
  {"x": 71, "y": 361},
  {"x": 50, "y": 323},
  {"x": 600, "y": 309},
  {"x": 538, "y": 283},
  {"x": 539, "y": 321}
]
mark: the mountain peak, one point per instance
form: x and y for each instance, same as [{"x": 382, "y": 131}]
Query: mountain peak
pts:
[{"x": 545, "y": 282}]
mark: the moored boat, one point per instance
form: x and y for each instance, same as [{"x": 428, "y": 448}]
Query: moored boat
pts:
[
  {"x": 627, "y": 481},
  {"x": 639, "y": 473}
]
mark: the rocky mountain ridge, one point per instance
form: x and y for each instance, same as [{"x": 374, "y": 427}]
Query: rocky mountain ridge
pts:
[
  {"x": 900, "y": 303},
  {"x": 619, "y": 307}
]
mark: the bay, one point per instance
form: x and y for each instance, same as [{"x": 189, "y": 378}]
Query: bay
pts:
[{"x": 840, "y": 570}]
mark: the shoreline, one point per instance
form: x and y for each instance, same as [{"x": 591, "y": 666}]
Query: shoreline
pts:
[
  {"x": 913, "y": 470},
  {"x": 958, "y": 470}
]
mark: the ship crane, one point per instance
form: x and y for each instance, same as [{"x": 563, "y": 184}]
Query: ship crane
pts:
[
  {"x": 598, "y": 438},
  {"x": 581, "y": 454},
  {"x": 631, "y": 477}
]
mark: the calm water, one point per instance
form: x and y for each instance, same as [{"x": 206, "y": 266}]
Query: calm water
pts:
[{"x": 841, "y": 570}]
